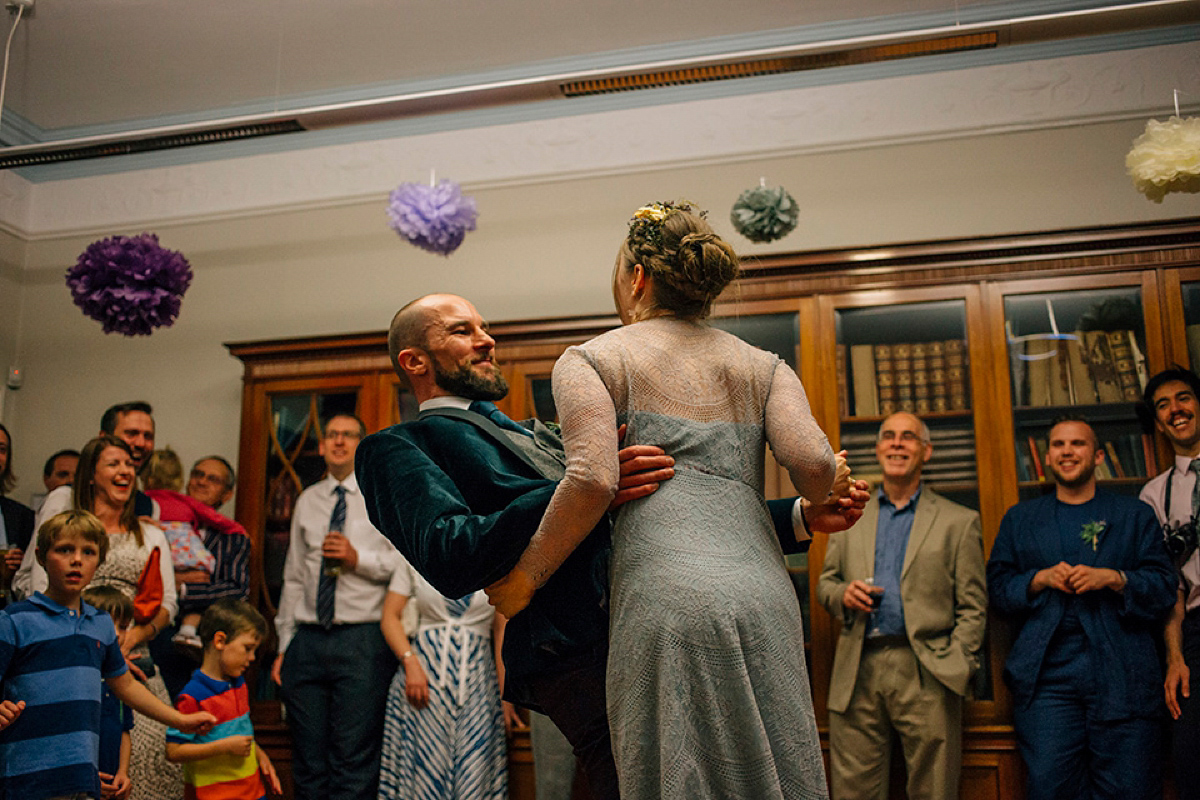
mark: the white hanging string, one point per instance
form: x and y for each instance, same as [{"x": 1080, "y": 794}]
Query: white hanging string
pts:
[
  {"x": 7, "y": 46},
  {"x": 1053, "y": 319},
  {"x": 1177, "y": 102},
  {"x": 278, "y": 54}
]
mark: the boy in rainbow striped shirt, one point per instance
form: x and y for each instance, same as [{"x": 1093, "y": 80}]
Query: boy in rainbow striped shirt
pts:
[{"x": 225, "y": 763}]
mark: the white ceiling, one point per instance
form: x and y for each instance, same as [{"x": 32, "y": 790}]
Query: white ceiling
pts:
[{"x": 79, "y": 64}]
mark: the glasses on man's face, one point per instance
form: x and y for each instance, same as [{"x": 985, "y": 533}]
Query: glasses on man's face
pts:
[
  {"x": 335, "y": 435},
  {"x": 204, "y": 477},
  {"x": 908, "y": 437}
]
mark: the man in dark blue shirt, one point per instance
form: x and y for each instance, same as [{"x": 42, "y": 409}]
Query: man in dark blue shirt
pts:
[{"x": 1086, "y": 578}]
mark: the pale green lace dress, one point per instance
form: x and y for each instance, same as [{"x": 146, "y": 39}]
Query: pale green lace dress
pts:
[{"x": 708, "y": 695}]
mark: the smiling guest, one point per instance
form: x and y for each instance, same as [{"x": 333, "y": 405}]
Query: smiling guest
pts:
[
  {"x": 924, "y": 555},
  {"x": 1172, "y": 396},
  {"x": 211, "y": 481},
  {"x": 133, "y": 424},
  {"x": 1086, "y": 579},
  {"x": 334, "y": 666},
  {"x": 59, "y": 469}
]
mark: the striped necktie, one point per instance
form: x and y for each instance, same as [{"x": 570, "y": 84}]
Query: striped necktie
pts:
[
  {"x": 327, "y": 585},
  {"x": 1195, "y": 468}
]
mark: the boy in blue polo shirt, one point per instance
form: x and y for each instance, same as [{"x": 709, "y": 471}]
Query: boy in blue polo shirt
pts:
[{"x": 53, "y": 650}]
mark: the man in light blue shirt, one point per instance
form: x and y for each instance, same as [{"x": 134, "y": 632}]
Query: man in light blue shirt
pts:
[{"x": 904, "y": 665}]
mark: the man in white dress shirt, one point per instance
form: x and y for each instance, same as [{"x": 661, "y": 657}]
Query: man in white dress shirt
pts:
[
  {"x": 1172, "y": 396},
  {"x": 334, "y": 666}
]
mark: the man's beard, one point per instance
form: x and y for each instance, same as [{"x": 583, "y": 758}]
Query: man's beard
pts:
[
  {"x": 1084, "y": 476},
  {"x": 466, "y": 382}
]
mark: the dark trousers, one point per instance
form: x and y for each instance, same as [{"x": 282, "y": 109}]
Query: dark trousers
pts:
[
  {"x": 1072, "y": 755},
  {"x": 573, "y": 699},
  {"x": 335, "y": 685},
  {"x": 1185, "y": 731}
]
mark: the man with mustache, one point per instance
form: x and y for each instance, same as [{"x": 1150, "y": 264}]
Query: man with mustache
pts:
[
  {"x": 1085, "y": 578},
  {"x": 461, "y": 490},
  {"x": 1175, "y": 497}
]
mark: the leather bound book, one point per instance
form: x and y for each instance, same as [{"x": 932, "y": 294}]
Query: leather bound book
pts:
[
  {"x": 1104, "y": 372},
  {"x": 1083, "y": 388},
  {"x": 1126, "y": 368},
  {"x": 862, "y": 364}
]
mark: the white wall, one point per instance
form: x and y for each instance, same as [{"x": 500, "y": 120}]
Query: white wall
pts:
[{"x": 542, "y": 249}]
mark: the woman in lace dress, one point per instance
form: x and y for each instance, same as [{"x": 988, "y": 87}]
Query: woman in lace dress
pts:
[
  {"x": 708, "y": 695},
  {"x": 104, "y": 484},
  {"x": 444, "y": 735}
]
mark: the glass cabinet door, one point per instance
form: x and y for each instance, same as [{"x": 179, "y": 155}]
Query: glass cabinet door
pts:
[
  {"x": 1081, "y": 352},
  {"x": 293, "y": 464},
  {"x": 1183, "y": 305},
  {"x": 909, "y": 357},
  {"x": 922, "y": 351}
]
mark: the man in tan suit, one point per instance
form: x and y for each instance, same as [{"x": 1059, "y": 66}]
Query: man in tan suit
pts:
[{"x": 906, "y": 664}]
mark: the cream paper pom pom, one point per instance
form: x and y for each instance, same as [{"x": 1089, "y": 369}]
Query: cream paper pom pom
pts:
[{"x": 1166, "y": 158}]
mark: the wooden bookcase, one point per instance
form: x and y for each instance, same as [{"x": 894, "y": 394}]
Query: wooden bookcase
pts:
[{"x": 984, "y": 293}]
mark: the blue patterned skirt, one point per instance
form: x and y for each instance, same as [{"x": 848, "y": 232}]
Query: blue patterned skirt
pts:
[{"x": 455, "y": 748}]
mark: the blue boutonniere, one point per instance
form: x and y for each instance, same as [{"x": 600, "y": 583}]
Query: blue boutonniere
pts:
[{"x": 1091, "y": 532}]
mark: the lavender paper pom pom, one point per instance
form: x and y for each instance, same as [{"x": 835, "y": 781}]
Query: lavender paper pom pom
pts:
[
  {"x": 130, "y": 284},
  {"x": 764, "y": 214},
  {"x": 434, "y": 218}
]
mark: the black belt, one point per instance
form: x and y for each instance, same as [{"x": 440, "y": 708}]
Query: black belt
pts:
[
  {"x": 888, "y": 640},
  {"x": 316, "y": 626}
]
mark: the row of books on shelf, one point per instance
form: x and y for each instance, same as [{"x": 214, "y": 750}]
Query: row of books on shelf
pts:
[
  {"x": 1129, "y": 455},
  {"x": 919, "y": 377},
  {"x": 953, "y": 458},
  {"x": 1080, "y": 368}
]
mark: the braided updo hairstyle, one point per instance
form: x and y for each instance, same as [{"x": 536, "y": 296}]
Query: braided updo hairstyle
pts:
[{"x": 691, "y": 265}]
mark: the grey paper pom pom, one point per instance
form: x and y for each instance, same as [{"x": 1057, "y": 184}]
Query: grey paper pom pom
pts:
[{"x": 764, "y": 214}]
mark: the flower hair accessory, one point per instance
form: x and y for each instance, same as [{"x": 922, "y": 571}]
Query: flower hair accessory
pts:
[
  {"x": 1091, "y": 532},
  {"x": 647, "y": 221}
]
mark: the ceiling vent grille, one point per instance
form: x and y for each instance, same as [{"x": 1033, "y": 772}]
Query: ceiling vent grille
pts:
[
  {"x": 1142, "y": 15},
  {"x": 775, "y": 66},
  {"x": 165, "y": 142}
]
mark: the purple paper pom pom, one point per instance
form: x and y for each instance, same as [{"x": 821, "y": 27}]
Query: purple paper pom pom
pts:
[
  {"x": 434, "y": 218},
  {"x": 130, "y": 283}
]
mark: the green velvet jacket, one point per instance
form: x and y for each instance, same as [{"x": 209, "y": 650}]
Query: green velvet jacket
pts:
[{"x": 461, "y": 507}]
